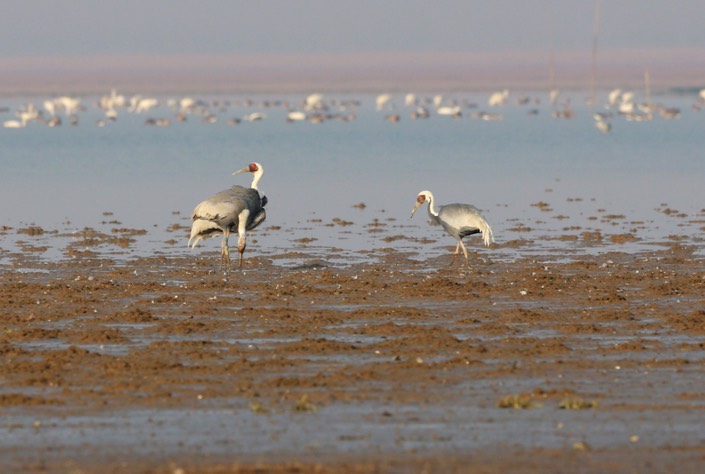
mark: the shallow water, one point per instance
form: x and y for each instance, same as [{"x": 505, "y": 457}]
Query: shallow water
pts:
[
  {"x": 344, "y": 429},
  {"x": 128, "y": 175}
]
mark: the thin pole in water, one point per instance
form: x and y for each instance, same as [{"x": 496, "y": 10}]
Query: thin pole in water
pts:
[{"x": 595, "y": 34}]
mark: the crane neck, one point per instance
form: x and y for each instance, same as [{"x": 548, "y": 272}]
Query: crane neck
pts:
[
  {"x": 431, "y": 211},
  {"x": 255, "y": 179}
]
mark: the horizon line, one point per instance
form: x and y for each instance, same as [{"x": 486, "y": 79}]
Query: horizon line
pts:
[{"x": 283, "y": 72}]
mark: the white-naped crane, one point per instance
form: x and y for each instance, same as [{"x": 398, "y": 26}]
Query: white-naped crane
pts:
[
  {"x": 459, "y": 220},
  {"x": 237, "y": 209}
]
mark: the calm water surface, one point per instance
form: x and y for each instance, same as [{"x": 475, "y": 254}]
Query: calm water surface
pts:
[{"x": 151, "y": 177}]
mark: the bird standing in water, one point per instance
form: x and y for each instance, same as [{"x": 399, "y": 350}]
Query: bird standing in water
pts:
[
  {"x": 459, "y": 220},
  {"x": 237, "y": 209}
]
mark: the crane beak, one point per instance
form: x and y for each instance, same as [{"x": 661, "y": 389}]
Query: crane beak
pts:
[
  {"x": 244, "y": 170},
  {"x": 414, "y": 209}
]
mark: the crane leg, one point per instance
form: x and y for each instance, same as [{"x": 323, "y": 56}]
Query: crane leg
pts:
[
  {"x": 224, "y": 253},
  {"x": 241, "y": 244},
  {"x": 465, "y": 252},
  {"x": 241, "y": 229},
  {"x": 457, "y": 250}
]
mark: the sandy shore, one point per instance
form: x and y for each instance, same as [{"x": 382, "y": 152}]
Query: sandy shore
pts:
[{"x": 166, "y": 364}]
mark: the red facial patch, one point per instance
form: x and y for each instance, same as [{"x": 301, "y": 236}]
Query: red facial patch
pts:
[
  {"x": 253, "y": 167},
  {"x": 421, "y": 198}
]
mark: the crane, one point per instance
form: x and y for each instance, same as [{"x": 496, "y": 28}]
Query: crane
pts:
[
  {"x": 459, "y": 220},
  {"x": 237, "y": 209}
]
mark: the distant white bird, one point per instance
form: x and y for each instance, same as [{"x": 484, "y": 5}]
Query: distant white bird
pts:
[
  {"x": 613, "y": 97},
  {"x": 603, "y": 126},
  {"x": 186, "y": 104},
  {"x": 626, "y": 107},
  {"x": 487, "y": 117},
  {"x": 69, "y": 105},
  {"x": 498, "y": 98},
  {"x": 553, "y": 96},
  {"x": 295, "y": 116},
  {"x": 449, "y": 111},
  {"x": 410, "y": 100},
  {"x": 25, "y": 113},
  {"x": 314, "y": 102},
  {"x": 13, "y": 124},
  {"x": 112, "y": 101},
  {"x": 145, "y": 105},
  {"x": 627, "y": 96},
  {"x": 382, "y": 101},
  {"x": 139, "y": 104},
  {"x": 50, "y": 107},
  {"x": 237, "y": 209},
  {"x": 254, "y": 117},
  {"x": 459, "y": 220}
]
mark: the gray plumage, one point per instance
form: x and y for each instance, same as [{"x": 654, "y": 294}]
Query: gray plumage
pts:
[
  {"x": 222, "y": 210},
  {"x": 237, "y": 209},
  {"x": 459, "y": 220}
]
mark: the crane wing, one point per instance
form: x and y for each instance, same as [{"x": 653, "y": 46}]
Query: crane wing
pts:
[
  {"x": 227, "y": 204},
  {"x": 465, "y": 220}
]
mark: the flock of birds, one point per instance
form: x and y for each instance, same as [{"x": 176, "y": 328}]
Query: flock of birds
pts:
[
  {"x": 316, "y": 109},
  {"x": 241, "y": 209}
]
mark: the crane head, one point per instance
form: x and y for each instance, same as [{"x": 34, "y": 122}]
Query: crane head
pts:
[
  {"x": 420, "y": 199},
  {"x": 251, "y": 168},
  {"x": 257, "y": 170}
]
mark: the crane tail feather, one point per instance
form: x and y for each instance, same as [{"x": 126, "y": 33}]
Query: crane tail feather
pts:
[
  {"x": 487, "y": 235},
  {"x": 193, "y": 241},
  {"x": 200, "y": 229}
]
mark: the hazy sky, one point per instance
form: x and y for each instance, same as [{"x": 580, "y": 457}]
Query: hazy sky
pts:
[{"x": 170, "y": 27}]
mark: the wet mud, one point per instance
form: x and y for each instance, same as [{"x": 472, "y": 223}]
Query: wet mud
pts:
[{"x": 397, "y": 363}]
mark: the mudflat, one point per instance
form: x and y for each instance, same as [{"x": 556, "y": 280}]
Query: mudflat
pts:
[{"x": 395, "y": 362}]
